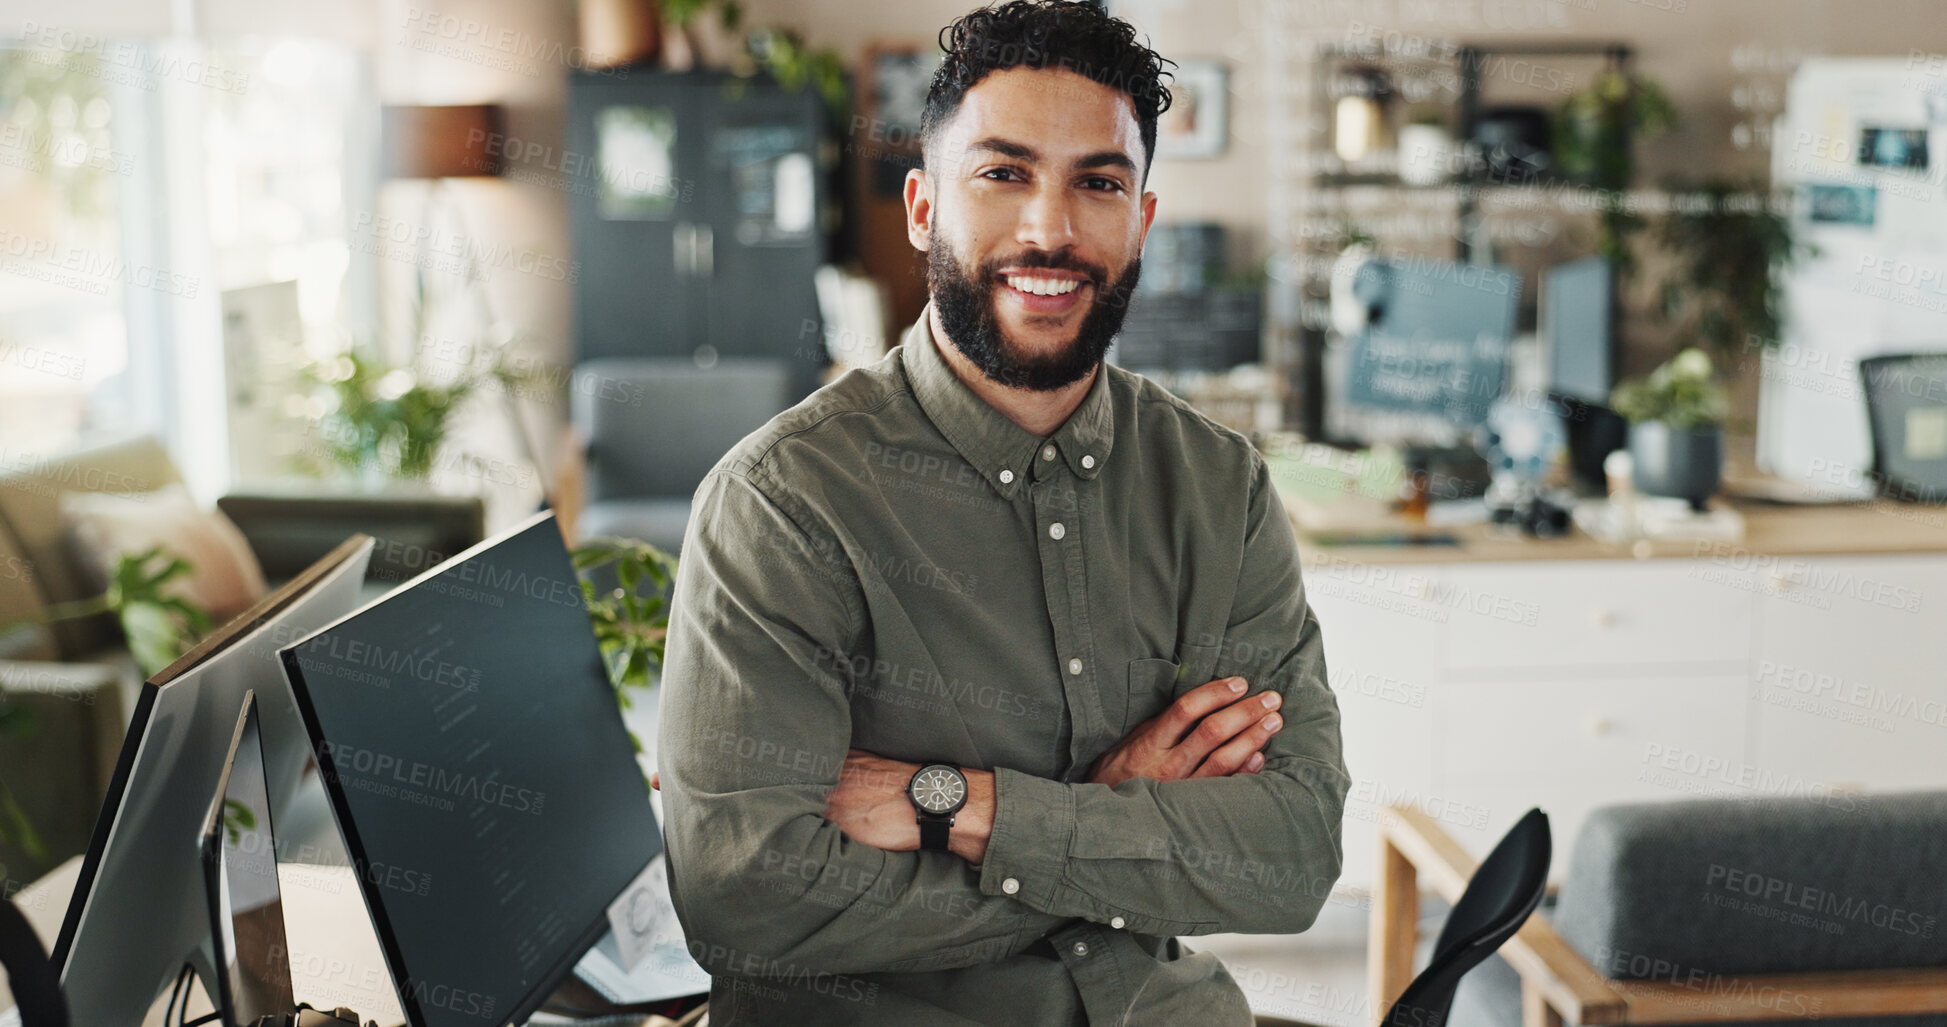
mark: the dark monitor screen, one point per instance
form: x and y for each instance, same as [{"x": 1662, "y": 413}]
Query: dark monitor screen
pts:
[
  {"x": 1577, "y": 301},
  {"x": 252, "y": 956},
  {"x": 488, "y": 792}
]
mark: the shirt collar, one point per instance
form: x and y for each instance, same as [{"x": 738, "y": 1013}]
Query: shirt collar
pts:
[{"x": 1003, "y": 452}]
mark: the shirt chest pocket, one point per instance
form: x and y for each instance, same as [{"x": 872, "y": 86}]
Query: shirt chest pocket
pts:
[{"x": 1154, "y": 683}]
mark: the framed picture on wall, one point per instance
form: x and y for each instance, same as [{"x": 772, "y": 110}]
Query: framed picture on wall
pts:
[
  {"x": 900, "y": 77},
  {"x": 1194, "y": 128}
]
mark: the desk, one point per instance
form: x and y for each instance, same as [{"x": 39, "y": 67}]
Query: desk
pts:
[
  {"x": 335, "y": 955},
  {"x": 1482, "y": 679},
  {"x": 1783, "y": 531}
]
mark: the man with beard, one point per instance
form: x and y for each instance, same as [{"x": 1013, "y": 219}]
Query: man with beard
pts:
[{"x": 990, "y": 671}]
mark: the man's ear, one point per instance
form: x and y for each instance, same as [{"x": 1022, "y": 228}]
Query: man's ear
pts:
[
  {"x": 1149, "y": 218},
  {"x": 919, "y": 209}
]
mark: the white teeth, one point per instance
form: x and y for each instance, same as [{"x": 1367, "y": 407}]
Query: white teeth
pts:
[{"x": 1044, "y": 286}]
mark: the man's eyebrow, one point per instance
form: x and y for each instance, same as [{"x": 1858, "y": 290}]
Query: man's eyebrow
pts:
[{"x": 1021, "y": 151}]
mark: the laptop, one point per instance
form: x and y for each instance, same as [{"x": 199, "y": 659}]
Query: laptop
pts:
[{"x": 251, "y": 952}]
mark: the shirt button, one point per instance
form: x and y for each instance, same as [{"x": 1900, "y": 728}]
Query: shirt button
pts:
[
  {"x": 1010, "y": 886},
  {"x": 1088, "y": 461},
  {"x": 1056, "y": 531},
  {"x": 1074, "y": 666},
  {"x": 1007, "y": 476},
  {"x": 1047, "y": 452},
  {"x": 1116, "y": 923},
  {"x": 1081, "y": 948}
]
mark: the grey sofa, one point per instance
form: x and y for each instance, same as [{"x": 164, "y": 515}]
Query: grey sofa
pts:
[
  {"x": 655, "y": 426},
  {"x": 1684, "y": 904}
]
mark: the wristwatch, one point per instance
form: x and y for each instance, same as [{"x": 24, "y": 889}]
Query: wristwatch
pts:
[{"x": 937, "y": 791}]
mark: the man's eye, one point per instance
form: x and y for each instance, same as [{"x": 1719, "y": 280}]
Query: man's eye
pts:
[
  {"x": 990, "y": 172},
  {"x": 1104, "y": 184}
]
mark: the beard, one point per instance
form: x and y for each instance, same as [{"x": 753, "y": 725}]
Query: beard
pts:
[{"x": 968, "y": 312}]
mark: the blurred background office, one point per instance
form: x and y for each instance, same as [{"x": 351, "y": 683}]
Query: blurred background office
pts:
[{"x": 1599, "y": 350}]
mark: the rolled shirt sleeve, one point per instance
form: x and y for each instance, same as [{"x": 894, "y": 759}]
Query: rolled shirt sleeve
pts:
[
  {"x": 755, "y": 726},
  {"x": 1251, "y": 853}
]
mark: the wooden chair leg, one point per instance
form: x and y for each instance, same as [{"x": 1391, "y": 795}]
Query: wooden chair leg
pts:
[
  {"x": 1535, "y": 1010},
  {"x": 1394, "y": 927}
]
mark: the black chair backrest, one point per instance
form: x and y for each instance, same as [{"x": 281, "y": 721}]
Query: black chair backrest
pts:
[
  {"x": 36, "y": 987},
  {"x": 1505, "y": 890},
  {"x": 1906, "y": 406}
]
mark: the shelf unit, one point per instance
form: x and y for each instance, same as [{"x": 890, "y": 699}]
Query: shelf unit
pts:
[{"x": 1460, "y": 68}]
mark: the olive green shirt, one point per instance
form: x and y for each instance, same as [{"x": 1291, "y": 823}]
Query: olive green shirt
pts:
[{"x": 895, "y": 566}]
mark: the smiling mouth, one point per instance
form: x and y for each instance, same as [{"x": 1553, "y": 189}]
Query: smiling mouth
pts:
[{"x": 1043, "y": 285}]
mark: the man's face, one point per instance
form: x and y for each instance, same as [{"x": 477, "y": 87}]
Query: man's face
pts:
[{"x": 1032, "y": 215}]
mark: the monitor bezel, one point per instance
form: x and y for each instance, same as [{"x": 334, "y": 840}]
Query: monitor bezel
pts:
[{"x": 222, "y": 638}]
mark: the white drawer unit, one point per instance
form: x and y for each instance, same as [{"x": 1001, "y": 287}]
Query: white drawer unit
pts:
[
  {"x": 1477, "y": 690},
  {"x": 1385, "y": 697},
  {"x": 1598, "y": 615},
  {"x": 1848, "y": 685}
]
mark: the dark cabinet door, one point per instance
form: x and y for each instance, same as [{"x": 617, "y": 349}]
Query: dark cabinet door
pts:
[
  {"x": 765, "y": 209},
  {"x": 633, "y": 214},
  {"x": 705, "y": 220}
]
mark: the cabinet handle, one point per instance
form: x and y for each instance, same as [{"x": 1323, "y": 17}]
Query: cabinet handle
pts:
[
  {"x": 703, "y": 260},
  {"x": 683, "y": 240},
  {"x": 1599, "y": 726},
  {"x": 1605, "y": 618}
]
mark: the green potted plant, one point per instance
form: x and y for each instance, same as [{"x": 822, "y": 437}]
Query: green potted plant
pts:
[
  {"x": 1594, "y": 142},
  {"x": 1676, "y": 416},
  {"x": 159, "y": 624},
  {"x": 389, "y": 423},
  {"x": 631, "y": 617},
  {"x": 1727, "y": 245}
]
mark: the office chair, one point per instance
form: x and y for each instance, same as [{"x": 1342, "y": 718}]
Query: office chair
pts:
[
  {"x": 1505, "y": 890},
  {"x": 1906, "y": 408},
  {"x": 36, "y": 987}
]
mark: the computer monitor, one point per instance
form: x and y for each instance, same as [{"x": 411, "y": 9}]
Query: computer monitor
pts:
[
  {"x": 138, "y": 912},
  {"x": 469, "y": 738},
  {"x": 1578, "y": 308},
  {"x": 1433, "y": 354},
  {"x": 249, "y": 952},
  {"x": 1577, "y": 311}
]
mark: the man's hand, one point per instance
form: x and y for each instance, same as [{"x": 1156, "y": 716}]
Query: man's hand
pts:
[
  {"x": 1212, "y": 731},
  {"x": 870, "y": 806}
]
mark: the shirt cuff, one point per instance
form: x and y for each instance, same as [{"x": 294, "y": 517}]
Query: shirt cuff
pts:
[{"x": 1027, "y": 850}]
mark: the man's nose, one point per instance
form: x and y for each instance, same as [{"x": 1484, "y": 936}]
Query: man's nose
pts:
[{"x": 1047, "y": 221}]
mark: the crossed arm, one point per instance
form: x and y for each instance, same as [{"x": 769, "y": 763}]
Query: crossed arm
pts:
[
  {"x": 1218, "y": 814},
  {"x": 1214, "y": 730}
]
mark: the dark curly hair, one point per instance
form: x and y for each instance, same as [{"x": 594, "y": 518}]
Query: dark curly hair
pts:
[{"x": 1067, "y": 35}]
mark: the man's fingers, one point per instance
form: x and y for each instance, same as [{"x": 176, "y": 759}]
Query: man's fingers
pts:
[
  {"x": 1193, "y": 706},
  {"x": 656, "y": 780},
  {"x": 1243, "y": 752},
  {"x": 1220, "y": 727}
]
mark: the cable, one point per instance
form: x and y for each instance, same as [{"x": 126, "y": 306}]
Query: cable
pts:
[{"x": 176, "y": 992}]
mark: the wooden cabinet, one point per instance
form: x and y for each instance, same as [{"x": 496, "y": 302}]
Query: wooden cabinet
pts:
[{"x": 1478, "y": 690}]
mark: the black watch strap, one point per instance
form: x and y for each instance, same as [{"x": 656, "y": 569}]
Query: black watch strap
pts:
[{"x": 933, "y": 832}]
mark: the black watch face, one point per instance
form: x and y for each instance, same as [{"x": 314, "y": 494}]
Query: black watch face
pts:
[{"x": 939, "y": 789}]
